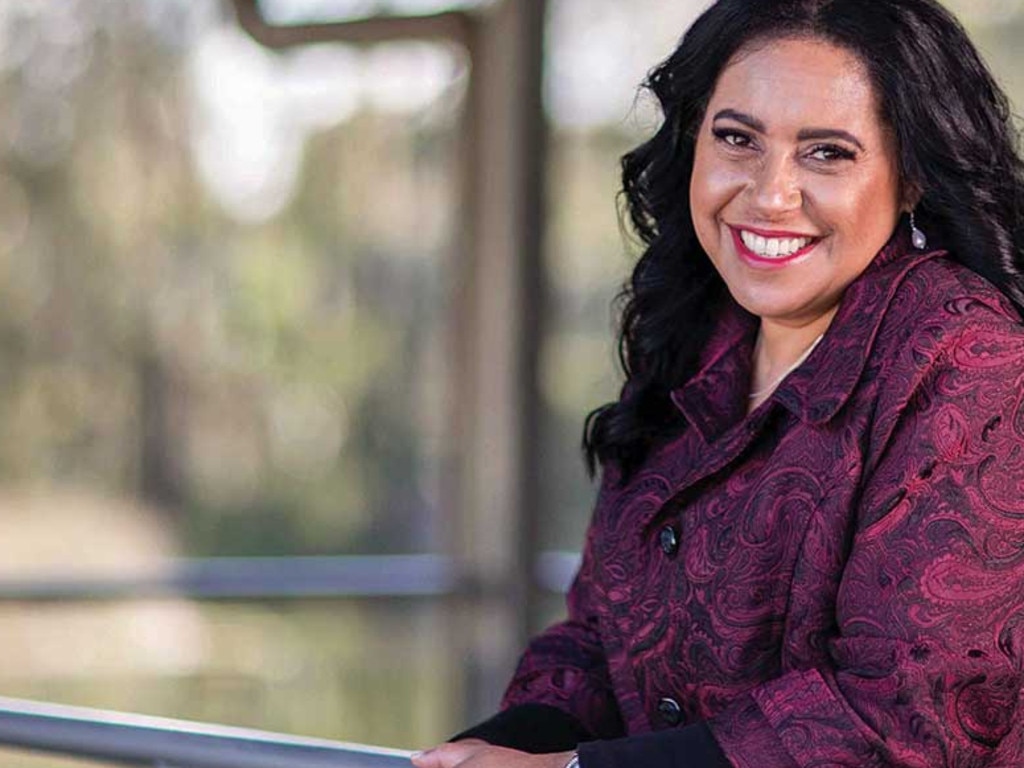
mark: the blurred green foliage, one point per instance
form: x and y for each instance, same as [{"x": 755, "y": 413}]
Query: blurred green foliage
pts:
[{"x": 266, "y": 383}]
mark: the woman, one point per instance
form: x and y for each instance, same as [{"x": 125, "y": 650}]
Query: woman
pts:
[{"x": 808, "y": 548}]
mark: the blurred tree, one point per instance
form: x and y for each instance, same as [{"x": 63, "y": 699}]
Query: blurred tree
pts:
[{"x": 264, "y": 374}]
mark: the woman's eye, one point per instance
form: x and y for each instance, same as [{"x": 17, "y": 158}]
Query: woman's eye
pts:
[
  {"x": 830, "y": 153},
  {"x": 732, "y": 138}
]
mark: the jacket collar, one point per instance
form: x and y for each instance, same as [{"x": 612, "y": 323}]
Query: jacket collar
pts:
[{"x": 716, "y": 397}]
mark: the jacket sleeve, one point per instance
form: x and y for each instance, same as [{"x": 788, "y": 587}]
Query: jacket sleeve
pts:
[
  {"x": 927, "y": 657},
  {"x": 565, "y": 666}
]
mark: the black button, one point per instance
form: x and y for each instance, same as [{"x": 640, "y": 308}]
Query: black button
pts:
[
  {"x": 669, "y": 540},
  {"x": 670, "y": 712}
]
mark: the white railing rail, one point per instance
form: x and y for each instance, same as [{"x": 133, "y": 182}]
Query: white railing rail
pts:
[{"x": 140, "y": 740}]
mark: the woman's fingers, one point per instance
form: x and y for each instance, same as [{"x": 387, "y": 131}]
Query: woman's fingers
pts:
[
  {"x": 473, "y": 753},
  {"x": 448, "y": 755}
]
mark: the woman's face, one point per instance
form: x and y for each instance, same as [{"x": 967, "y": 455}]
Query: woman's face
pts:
[{"x": 795, "y": 186}]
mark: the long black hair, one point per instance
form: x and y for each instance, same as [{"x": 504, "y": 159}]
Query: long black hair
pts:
[{"x": 956, "y": 144}]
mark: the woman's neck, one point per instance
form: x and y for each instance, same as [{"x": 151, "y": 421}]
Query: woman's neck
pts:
[{"x": 780, "y": 347}]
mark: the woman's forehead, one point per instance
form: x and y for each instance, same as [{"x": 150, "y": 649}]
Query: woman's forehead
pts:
[{"x": 788, "y": 82}]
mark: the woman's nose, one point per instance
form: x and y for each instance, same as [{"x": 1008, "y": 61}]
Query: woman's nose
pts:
[{"x": 776, "y": 187}]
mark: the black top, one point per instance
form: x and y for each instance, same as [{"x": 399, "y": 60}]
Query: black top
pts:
[{"x": 539, "y": 728}]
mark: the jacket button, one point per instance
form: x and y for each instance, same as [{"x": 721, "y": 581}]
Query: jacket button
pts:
[
  {"x": 669, "y": 540},
  {"x": 670, "y": 712}
]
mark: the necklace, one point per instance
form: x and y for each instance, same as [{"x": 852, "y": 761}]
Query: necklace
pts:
[{"x": 785, "y": 373}]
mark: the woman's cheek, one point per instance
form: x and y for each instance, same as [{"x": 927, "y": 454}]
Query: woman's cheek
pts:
[
  {"x": 714, "y": 186},
  {"x": 856, "y": 208}
]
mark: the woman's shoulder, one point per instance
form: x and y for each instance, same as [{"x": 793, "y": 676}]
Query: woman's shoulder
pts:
[
  {"x": 944, "y": 300},
  {"x": 950, "y": 346},
  {"x": 945, "y": 320},
  {"x": 950, "y": 280}
]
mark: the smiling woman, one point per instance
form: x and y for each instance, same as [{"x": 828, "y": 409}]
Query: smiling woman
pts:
[
  {"x": 808, "y": 546},
  {"x": 791, "y": 210}
]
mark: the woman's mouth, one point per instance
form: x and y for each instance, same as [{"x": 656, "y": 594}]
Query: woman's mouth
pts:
[{"x": 771, "y": 248}]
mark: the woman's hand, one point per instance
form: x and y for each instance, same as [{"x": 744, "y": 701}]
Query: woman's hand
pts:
[{"x": 474, "y": 753}]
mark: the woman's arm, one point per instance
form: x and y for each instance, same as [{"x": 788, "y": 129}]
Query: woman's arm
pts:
[{"x": 561, "y": 693}]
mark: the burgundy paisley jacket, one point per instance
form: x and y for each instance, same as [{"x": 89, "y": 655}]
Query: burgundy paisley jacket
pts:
[{"x": 836, "y": 579}]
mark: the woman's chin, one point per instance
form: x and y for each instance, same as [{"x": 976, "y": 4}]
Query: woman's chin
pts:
[{"x": 788, "y": 309}]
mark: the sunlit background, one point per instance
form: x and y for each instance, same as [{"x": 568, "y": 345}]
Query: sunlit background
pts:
[{"x": 223, "y": 280}]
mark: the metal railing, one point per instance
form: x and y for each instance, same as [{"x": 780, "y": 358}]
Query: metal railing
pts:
[
  {"x": 262, "y": 578},
  {"x": 163, "y": 743}
]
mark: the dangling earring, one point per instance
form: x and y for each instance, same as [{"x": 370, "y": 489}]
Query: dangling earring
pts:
[{"x": 917, "y": 237}]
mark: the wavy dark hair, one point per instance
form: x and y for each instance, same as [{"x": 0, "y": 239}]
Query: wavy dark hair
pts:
[{"x": 956, "y": 144}]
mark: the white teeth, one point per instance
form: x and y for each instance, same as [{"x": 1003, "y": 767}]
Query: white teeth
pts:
[{"x": 773, "y": 247}]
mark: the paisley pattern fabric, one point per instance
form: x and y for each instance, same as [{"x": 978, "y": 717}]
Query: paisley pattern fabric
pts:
[{"x": 836, "y": 579}]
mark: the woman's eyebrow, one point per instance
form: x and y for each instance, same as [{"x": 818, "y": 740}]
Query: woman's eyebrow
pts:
[
  {"x": 740, "y": 117},
  {"x": 807, "y": 134},
  {"x": 819, "y": 134}
]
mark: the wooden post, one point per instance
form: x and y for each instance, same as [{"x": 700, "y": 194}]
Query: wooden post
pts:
[{"x": 500, "y": 314}]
